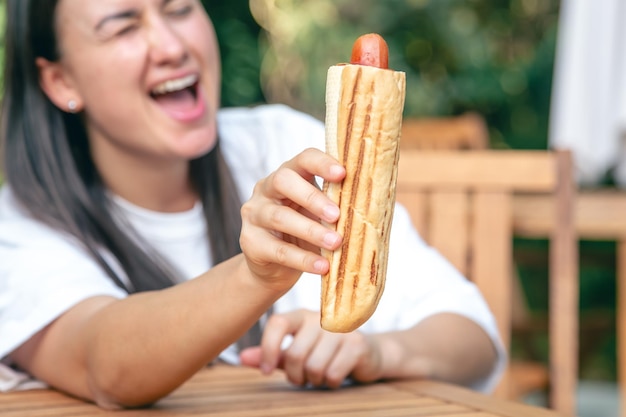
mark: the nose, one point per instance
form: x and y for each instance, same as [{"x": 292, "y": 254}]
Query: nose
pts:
[{"x": 166, "y": 45}]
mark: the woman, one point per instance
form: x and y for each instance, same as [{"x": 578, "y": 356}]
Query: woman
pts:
[{"x": 121, "y": 222}]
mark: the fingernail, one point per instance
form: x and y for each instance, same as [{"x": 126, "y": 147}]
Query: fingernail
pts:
[
  {"x": 336, "y": 170},
  {"x": 320, "y": 266},
  {"x": 331, "y": 239},
  {"x": 331, "y": 212}
]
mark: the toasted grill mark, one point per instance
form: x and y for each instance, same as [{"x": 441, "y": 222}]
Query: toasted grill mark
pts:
[
  {"x": 348, "y": 225},
  {"x": 352, "y": 105},
  {"x": 369, "y": 192},
  {"x": 373, "y": 270},
  {"x": 369, "y": 180},
  {"x": 341, "y": 268},
  {"x": 346, "y": 143},
  {"x": 378, "y": 145},
  {"x": 359, "y": 259},
  {"x": 366, "y": 124},
  {"x": 357, "y": 81}
]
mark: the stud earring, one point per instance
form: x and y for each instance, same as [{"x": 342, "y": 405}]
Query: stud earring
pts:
[{"x": 71, "y": 105}]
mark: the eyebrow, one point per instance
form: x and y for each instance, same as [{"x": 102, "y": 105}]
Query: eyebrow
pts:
[{"x": 127, "y": 14}]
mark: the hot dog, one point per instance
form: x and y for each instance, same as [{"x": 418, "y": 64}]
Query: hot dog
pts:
[{"x": 364, "y": 103}]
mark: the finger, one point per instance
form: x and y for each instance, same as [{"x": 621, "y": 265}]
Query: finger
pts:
[
  {"x": 251, "y": 357},
  {"x": 314, "y": 162},
  {"x": 341, "y": 365},
  {"x": 296, "y": 356},
  {"x": 287, "y": 184},
  {"x": 292, "y": 223},
  {"x": 278, "y": 326},
  {"x": 281, "y": 253},
  {"x": 356, "y": 349},
  {"x": 321, "y": 357}
]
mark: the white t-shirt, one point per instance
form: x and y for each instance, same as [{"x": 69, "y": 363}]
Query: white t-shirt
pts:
[{"x": 43, "y": 273}]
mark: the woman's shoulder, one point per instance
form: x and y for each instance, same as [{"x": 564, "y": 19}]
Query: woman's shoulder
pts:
[
  {"x": 24, "y": 239},
  {"x": 10, "y": 209},
  {"x": 18, "y": 229}
]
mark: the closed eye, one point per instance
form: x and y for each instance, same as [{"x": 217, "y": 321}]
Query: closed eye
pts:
[
  {"x": 126, "y": 30},
  {"x": 178, "y": 8},
  {"x": 118, "y": 24},
  {"x": 182, "y": 11}
]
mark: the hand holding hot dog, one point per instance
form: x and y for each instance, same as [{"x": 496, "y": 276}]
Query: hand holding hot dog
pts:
[{"x": 281, "y": 231}]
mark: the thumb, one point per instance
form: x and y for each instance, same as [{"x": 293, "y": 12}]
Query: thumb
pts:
[{"x": 251, "y": 356}]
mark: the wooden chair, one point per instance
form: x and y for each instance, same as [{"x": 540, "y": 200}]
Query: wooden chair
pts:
[
  {"x": 599, "y": 214},
  {"x": 461, "y": 203},
  {"x": 467, "y": 131}
]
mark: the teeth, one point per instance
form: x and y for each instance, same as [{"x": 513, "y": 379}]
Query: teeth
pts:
[{"x": 175, "y": 85}]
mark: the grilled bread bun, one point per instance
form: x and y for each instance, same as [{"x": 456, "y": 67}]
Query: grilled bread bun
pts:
[{"x": 364, "y": 107}]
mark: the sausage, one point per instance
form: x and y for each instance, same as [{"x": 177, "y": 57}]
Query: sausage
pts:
[{"x": 370, "y": 50}]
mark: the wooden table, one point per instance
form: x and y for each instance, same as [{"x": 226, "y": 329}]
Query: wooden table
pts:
[{"x": 243, "y": 392}]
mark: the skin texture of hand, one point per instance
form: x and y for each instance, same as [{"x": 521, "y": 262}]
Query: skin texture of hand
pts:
[
  {"x": 281, "y": 229},
  {"x": 315, "y": 357},
  {"x": 445, "y": 347}
]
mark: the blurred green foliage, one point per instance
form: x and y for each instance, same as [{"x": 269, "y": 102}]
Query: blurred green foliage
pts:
[
  {"x": 238, "y": 34},
  {"x": 494, "y": 57}
]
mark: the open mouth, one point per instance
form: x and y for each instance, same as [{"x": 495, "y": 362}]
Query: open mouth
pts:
[{"x": 179, "y": 97}]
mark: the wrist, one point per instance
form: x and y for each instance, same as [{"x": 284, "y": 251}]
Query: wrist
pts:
[
  {"x": 402, "y": 359},
  {"x": 261, "y": 286}
]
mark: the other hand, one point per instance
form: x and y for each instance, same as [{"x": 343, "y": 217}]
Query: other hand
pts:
[{"x": 315, "y": 357}]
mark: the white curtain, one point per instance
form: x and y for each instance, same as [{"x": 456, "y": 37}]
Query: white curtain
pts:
[{"x": 588, "y": 108}]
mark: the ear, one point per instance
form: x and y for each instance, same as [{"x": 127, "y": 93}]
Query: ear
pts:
[{"x": 58, "y": 86}]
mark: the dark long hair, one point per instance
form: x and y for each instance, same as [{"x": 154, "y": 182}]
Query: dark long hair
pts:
[{"x": 49, "y": 167}]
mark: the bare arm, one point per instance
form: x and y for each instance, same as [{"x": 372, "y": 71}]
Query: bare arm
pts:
[
  {"x": 133, "y": 351},
  {"x": 446, "y": 347}
]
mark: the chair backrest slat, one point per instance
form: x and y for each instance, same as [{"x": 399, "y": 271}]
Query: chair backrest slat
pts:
[
  {"x": 531, "y": 171},
  {"x": 449, "y": 227},
  {"x": 563, "y": 289}
]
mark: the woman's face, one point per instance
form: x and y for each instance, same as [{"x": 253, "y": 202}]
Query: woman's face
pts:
[{"x": 146, "y": 74}]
